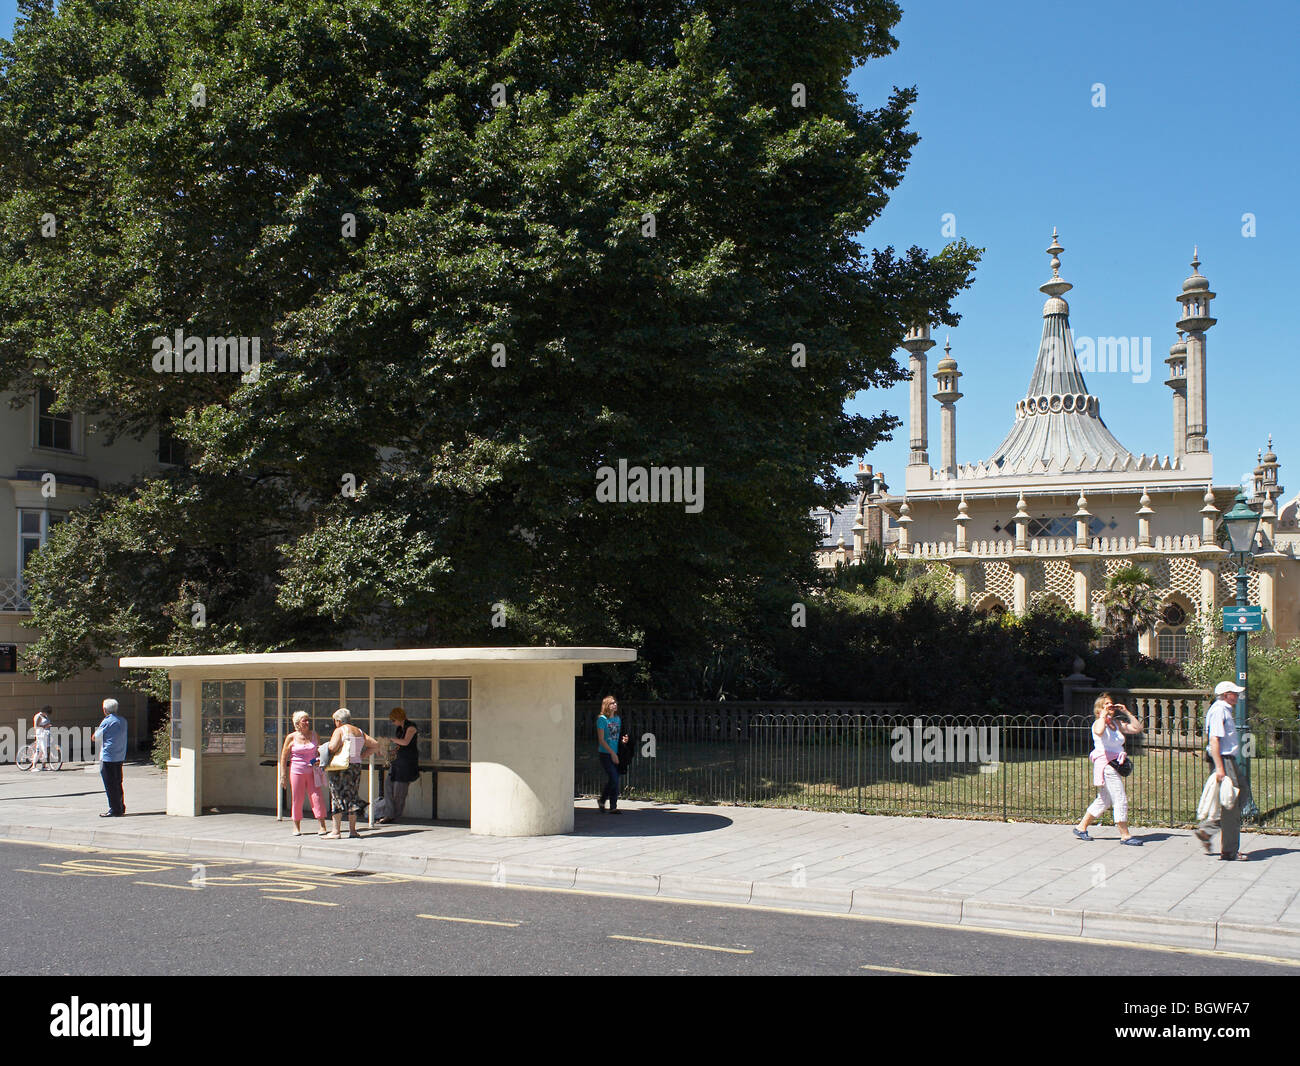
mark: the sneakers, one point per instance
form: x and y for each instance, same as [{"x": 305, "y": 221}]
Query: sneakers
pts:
[
  {"x": 1132, "y": 840},
  {"x": 1081, "y": 834}
]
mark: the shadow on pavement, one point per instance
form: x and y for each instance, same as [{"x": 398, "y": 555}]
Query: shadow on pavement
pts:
[
  {"x": 1267, "y": 853},
  {"x": 646, "y": 822}
]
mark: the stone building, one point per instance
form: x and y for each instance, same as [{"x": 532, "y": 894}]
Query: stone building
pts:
[
  {"x": 54, "y": 462},
  {"x": 1061, "y": 505}
]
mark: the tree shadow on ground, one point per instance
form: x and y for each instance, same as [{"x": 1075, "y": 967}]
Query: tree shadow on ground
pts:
[{"x": 645, "y": 822}]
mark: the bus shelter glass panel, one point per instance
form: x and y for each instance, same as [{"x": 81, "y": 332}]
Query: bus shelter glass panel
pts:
[
  {"x": 224, "y": 714},
  {"x": 320, "y": 698},
  {"x": 453, "y": 720},
  {"x": 414, "y": 695}
]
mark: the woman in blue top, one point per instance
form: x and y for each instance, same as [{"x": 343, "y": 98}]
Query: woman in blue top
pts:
[{"x": 608, "y": 729}]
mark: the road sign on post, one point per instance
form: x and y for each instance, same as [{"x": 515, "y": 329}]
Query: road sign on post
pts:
[{"x": 1243, "y": 619}]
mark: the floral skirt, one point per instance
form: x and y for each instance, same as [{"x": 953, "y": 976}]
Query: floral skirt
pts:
[{"x": 344, "y": 787}]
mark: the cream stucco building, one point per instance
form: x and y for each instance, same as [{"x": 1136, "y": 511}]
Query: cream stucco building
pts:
[
  {"x": 1062, "y": 504},
  {"x": 50, "y": 464}
]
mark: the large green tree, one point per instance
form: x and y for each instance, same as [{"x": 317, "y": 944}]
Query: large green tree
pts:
[{"x": 487, "y": 248}]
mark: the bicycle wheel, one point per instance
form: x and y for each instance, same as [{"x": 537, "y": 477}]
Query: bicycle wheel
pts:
[
  {"x": 56, "y": 758},
  {"x": 26, "y": 756}
]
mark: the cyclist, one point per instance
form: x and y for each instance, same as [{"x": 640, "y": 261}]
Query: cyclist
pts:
[{"x": 42, "y": 724}]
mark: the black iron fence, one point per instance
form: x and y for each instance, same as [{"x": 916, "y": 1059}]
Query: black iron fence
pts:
[{"x": 877, "y": 759}]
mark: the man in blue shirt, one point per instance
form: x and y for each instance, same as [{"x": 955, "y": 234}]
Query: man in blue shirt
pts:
[
  {"x": 111, "y": 735},
  {"x": 1221, "y": 751}
]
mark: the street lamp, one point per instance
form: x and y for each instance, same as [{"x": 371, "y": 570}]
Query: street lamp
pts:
[{"x": 1242, "y": 523}]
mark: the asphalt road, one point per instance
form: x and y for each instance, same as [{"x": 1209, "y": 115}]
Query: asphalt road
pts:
[{"x": 94, "y": 911}]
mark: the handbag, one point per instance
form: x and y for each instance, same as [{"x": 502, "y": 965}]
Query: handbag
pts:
[
  {"x": 1123, "y": 768},
  {"x": 341, "y": 761}
]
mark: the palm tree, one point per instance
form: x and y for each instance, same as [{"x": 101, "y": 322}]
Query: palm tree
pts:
[{"x": 1131, "y": 607}]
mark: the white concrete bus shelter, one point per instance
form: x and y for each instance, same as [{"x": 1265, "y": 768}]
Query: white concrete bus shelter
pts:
[{"x": 517, "y": 733}]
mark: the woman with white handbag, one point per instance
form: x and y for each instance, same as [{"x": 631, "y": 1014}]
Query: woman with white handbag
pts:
[{"x": 346, "y": 748}]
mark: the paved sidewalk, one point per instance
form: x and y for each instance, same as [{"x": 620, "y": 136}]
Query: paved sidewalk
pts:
[{"x": 993, "y": 875}]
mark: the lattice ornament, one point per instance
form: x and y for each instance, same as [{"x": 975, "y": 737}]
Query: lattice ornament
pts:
[{"x": 1226, "y": 587}]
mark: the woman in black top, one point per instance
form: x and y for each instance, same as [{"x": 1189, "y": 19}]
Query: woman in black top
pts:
[{"x": 405, "y": 766}]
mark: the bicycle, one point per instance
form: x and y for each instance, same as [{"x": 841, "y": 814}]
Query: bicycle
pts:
[{"x": 28, "y": 757}]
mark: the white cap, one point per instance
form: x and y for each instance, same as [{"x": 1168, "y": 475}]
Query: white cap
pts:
[{"x": 1227, "y": 686}]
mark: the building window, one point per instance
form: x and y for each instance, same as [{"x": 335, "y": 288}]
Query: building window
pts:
[
  {"x": 176, "y": 720},
  {"x": 1172, "y": 643},
  {"x": 33, "y": 531},
  {"x": 170, "y": 450},
  {"x": 225, "y": 720},
  {"x": 53, "y": 429}
]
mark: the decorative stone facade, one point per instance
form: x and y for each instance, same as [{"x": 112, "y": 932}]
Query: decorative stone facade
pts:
[{"x": 1062, "y": 505}]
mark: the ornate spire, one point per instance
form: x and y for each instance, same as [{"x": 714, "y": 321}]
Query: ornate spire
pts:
[
  {"x": 1058, "y": 422},
  {"x": 1056, "y": 286}
]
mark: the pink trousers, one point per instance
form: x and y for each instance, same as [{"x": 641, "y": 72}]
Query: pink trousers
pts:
[{"x": 300, "y": 783}]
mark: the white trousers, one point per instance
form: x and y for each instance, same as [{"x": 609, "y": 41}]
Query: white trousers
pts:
[{"x": 1111, "y": 794}]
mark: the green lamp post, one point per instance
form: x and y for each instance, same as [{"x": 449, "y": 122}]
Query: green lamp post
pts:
[{"x": 1242, "y": 523}]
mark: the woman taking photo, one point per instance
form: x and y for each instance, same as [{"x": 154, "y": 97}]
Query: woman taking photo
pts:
[
  {"x": 299, "y": 764},
  {"x": 1108, "y": 761}
]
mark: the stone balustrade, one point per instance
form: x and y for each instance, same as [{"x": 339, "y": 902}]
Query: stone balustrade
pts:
[
  {"x": 13, "y": 598},
  {"x": 1050, "y": 546}
]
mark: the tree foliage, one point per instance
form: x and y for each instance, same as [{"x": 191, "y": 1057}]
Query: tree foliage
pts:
[{"x": 437, "y": 219}]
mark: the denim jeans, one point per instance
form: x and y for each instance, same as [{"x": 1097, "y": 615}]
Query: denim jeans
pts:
[{"x": 610, "y": 791}]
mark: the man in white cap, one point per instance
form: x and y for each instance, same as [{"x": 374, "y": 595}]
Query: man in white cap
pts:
[{"x": 1221, "y": 753}]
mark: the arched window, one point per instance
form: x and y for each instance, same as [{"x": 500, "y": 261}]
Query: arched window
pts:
[
  {"x": 990, "y": 605},
  {"x": 1172, "y": 643}
]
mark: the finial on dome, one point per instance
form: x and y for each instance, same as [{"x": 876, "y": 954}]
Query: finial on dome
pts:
[
  {"x": 1056, "y": 286},
  {"x": 1196, "y": 260}
]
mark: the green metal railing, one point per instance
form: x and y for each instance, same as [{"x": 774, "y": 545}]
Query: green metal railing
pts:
[{"x": 877, "y": 759}]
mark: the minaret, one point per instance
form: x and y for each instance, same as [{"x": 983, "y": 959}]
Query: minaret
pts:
[
  {"x": 1266, "y": 481},
  {"x": 946, "y": 375},
  {"x": 918, "y": 342},
  {"x": 1177, "y": 381},
  {"x": 1195, "y": 298}
]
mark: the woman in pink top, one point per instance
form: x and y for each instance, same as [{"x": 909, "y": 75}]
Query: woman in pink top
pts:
[{"x": 299, "y": 759}]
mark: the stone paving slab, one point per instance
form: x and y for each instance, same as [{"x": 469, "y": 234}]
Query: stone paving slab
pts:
[{"x": 976, "y": 874}]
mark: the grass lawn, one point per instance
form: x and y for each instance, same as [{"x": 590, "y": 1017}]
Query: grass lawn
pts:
[{"x": 1035, "y": 786}]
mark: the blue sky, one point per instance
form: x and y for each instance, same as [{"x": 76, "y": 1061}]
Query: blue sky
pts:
[{"x": 1199, "y": 129}]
